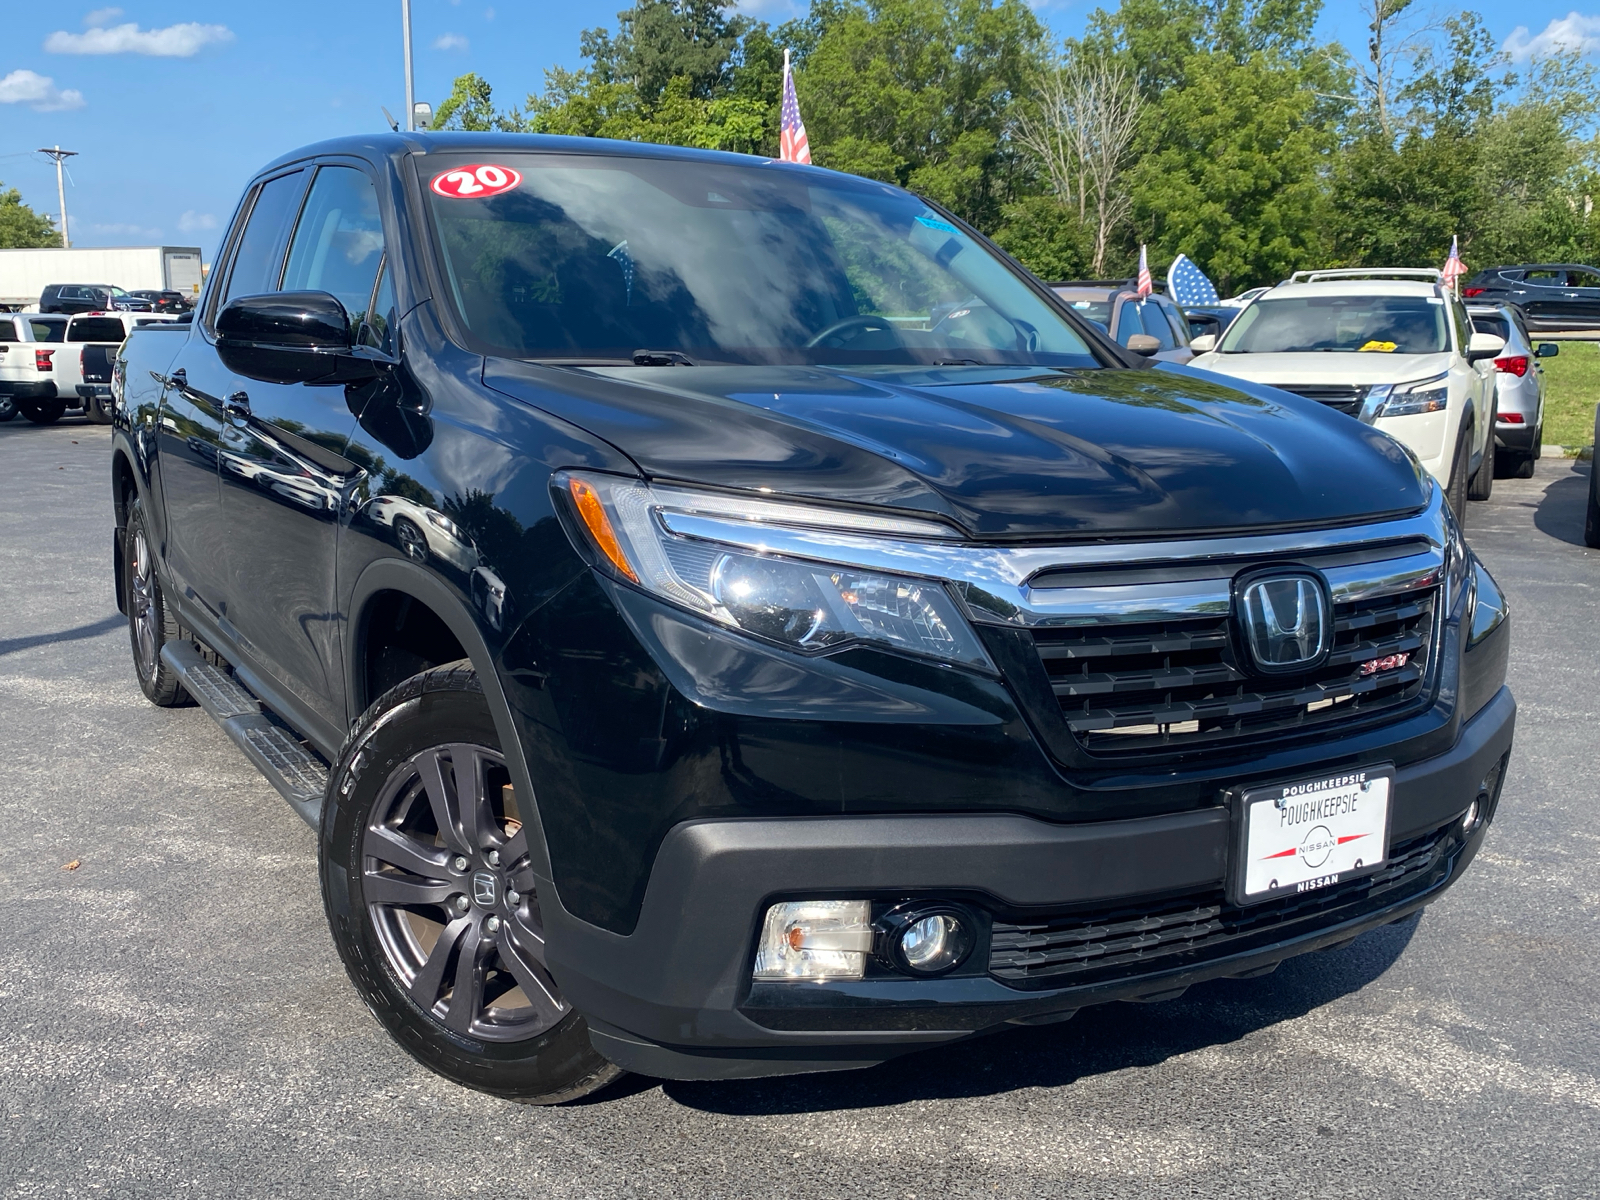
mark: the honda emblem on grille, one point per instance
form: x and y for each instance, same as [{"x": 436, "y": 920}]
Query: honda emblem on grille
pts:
[{"x": 1284, "y": 621}]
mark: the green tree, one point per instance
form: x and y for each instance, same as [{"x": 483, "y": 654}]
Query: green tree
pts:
[
  {"x": 20, "y": 227},
  {"x": 919, "y": 93},
  {"x": 470, "y": 107},
  {"x": 1233, "y": 177}
]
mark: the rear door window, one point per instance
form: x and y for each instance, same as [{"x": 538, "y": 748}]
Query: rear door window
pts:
[
  {"x": 8, "y": 331},
  {"x": 1545, "y": 278},
  {"x": 49, "y": 331},
  {"x": 259, "y": 257},
  {"x": 96, "y": 329}
]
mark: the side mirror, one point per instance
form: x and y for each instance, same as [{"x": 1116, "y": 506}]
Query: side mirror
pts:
[
  {"x": 289, "y": 337},
  {"x": 1484, "y": 345},
  {"x": 1143, "y": 343},
  {"x": 1547, "y": 350},
  {"x": 1204, "y": 343}
]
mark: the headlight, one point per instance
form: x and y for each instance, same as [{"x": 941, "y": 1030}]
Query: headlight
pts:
[
  {"x": 1489, "y": 607},
  {"x": 1407, "y": 399},
  {"x": 808, "y": 606}
]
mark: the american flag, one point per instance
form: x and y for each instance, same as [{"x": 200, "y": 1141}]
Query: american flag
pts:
[
  {"x": 793, "y": 146},
  {"x": 1145, "y": 283},
  {"x": 1454, "y": 268},
  {"x": 1187, "y": 284}
]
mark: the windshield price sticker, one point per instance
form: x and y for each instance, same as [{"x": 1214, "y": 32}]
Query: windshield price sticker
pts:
[
  {"x": 1304, "y": 836},
  {"x": 476, "y": 182}
]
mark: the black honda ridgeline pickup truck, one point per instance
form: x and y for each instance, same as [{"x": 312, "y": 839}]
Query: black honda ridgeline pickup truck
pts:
[{"x": 724, "y": 618}]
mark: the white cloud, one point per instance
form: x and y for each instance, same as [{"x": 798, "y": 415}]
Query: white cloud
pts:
[
  {"x": 39, "y": 92},
  {"x": 1573, "y": 32},
  {"x": 450, "y": 41},
  {"x": 122, "y": 230},
  {"x": 101, "y": 17},
  {"x": 196, "y": 222},
  {"x": 175, "y": 41},
  {"x": 488, "y": 14}
]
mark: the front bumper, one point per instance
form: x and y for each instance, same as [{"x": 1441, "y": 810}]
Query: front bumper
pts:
[{"x": 674, "y": 997}]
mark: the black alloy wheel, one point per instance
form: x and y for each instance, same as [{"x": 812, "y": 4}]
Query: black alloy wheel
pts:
[
  {"x": 151, "y": 624},
  {"x": 43, "y": 412},
  {"x": 433, "y": 901},
  {"x": 412, "y": 541},
  {"x": 8, "y": 409},
  {"x": 1455, "y": 494}
]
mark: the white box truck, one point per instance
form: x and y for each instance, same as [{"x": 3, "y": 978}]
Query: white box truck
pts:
[{"x": 26, "y": 273}]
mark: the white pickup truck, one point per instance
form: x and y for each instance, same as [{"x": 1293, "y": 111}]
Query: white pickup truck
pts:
[
  {"x": 72, "y": 374},
  {"x": 29, "y": 345}
]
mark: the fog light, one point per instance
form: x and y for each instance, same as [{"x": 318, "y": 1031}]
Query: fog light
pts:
[
  {"x": 928, "y": 942},
  {"x": 1474, "y": 814},
  {"x": 815, "y": 939}
]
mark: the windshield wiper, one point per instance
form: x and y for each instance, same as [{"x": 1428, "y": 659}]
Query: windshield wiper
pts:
[{"x": 661, "y": 358}]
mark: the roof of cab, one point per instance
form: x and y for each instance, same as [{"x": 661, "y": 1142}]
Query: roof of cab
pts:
[
  {"x": 376, "y": 146},
  {"x": 1355, "y": 287}
]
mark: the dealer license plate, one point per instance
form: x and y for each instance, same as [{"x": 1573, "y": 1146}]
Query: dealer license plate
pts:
[{"x": 1299, "y": 837}]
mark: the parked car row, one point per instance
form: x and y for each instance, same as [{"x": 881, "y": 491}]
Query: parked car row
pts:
[
  {"x": 52, "y": 364},
  {"x": 106, "y": 297}
]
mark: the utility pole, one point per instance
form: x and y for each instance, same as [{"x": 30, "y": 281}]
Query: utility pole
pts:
[
  {"x": 411, "y": 91},
  {"x": 57, "y": 153}
]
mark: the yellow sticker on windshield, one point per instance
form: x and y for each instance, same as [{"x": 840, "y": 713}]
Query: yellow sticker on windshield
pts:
[{"x": 1381, "y": 347}]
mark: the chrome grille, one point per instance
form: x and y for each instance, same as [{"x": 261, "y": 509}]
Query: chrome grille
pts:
[
  {"x": 1175, "y": 683},
  {"x": 1346, "y": 398}
]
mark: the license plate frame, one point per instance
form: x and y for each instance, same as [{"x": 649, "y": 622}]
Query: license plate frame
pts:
[{"x": 1334, "y": 803}]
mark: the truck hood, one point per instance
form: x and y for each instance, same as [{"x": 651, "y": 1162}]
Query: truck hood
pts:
[
  {"x": 1004, "y": 452},
  {"x": 1291, "y": 370}
]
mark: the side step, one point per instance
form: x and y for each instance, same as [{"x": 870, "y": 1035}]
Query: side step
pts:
[{"x": 298, "y": 774}]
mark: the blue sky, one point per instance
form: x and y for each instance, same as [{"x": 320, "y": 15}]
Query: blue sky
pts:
[{"x": 172, "y": 106}]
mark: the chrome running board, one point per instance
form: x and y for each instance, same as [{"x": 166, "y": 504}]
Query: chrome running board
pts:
[{"x": 299, "y": 775}]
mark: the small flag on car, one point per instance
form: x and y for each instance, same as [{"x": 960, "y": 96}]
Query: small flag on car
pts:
[
  {"x": 1145, "y": 283},
  {"x": 1454, "y": 268},
  {"x": 1187, "y": 284},
  {"x": 792, "y": 143}
]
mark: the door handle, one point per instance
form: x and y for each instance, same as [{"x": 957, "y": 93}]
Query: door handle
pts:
[
  {"x": 178, "y": 379},
  {"x": 236, "y": 405}
]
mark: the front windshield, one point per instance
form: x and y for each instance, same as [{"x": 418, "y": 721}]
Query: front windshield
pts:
[
  {"x": 1341, "y": 324},
  {"x": 116, "y": 291},
  {"x": 594, "y": 259}
]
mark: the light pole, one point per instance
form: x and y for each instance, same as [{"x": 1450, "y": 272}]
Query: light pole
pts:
[
  {"x": 57, "y": 153},
  {"x": 411, "y": 91}
]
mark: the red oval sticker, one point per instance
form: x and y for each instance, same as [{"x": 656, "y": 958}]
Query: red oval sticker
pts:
[{"x": 476, "y": 182}]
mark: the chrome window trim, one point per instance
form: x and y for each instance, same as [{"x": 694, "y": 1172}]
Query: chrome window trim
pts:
[{"x": 993, "y": 580}]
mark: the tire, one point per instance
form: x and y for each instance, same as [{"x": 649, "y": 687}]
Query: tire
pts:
[
  {"x": 44, "y": 412},
  {"x": 1524, "y": 468},
  {"x": 1481, "y": 485},
  {"x": 97, "y": 409},
  {"x": 151, "y": 624},
  {"x": 1591, "y": 519},
  {"x": 8, "y": 409},
  {"x": 1455, "y": 494},
  {"x": 404, "y": 916}
]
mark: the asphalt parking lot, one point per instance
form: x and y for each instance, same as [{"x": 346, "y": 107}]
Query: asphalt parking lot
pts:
[{"x": 174, "y": 1020}]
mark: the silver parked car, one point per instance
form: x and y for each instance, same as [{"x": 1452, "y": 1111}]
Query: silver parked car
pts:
[{"x": 1518, "y": 387}]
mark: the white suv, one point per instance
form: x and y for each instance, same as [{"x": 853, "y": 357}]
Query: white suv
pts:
[{"x": 1392, "y": 348}]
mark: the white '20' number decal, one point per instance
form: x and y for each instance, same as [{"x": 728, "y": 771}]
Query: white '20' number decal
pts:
[{"x": 476, "y": 182}]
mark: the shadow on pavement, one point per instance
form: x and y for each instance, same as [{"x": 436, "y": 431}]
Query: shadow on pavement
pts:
[
  {"x": 1560, "y": 514},
  {"x": 104, "y": 625},
  {"x": 1106, "y": 1038}
]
